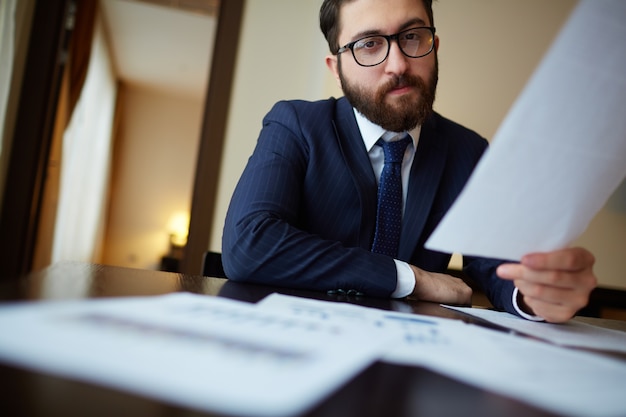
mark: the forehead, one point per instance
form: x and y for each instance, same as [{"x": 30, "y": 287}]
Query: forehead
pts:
[{"x": 363, "y": 17}]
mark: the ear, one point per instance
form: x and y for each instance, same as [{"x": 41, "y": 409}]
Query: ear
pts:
[
  {"x": 331, "y": 63},
  {"x": 436, "y": 43}
]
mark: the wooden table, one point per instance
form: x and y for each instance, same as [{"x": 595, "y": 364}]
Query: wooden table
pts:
[{"x": 380, "y": 390}]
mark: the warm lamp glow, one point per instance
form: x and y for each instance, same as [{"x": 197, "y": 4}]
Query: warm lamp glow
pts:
[{"x": 178, "y": 228}]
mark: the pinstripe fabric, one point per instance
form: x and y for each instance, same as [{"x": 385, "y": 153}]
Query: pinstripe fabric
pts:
[{"x": 303, "y": 212}]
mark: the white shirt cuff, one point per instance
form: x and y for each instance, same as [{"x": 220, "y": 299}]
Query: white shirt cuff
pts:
[
  {"x": 406, "y": 280},
  {"x": 519, "y": 310}
]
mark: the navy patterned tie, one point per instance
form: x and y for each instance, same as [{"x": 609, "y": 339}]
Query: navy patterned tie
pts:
[{"x": 389, "y": 215}]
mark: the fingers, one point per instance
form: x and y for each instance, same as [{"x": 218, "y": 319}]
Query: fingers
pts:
[
  {"x": 572, "y": 298},
  {"x": 571, "y": 259},
  {"x": 553, "y": 278},
  {"x": 566, "y": 268},
  {"x": 554, "y": 285},
  {"x": 552, "y": 313}
]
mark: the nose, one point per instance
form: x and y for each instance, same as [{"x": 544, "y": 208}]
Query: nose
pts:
[{"x": 396, "y": 62}]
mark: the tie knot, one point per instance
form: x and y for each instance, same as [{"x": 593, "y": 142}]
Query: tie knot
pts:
[{"x": 394, "y": 151}]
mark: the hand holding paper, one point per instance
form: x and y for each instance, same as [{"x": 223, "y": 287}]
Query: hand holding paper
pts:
[{"x": 554, "y": 285}]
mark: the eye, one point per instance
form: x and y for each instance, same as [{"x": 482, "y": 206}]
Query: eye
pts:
[
  {"x": 370, "y": 44},
  {"x": 413, "y": 36}
]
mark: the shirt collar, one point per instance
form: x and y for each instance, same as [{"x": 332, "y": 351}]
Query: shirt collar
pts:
[{"x": 371, "y": 132}]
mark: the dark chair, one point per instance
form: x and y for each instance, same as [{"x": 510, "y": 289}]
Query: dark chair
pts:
[{"x": 212, "y": 265}]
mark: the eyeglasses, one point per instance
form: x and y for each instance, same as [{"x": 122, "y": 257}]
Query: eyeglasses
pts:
[{"x": 373, "y": 50}]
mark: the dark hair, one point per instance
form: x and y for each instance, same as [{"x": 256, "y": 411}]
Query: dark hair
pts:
[{"x": 329, "y": 20}]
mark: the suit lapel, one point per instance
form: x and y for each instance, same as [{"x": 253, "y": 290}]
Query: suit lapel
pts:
[
  {"x": 354, "y": 154},
  {"x": 426, "y": 172}
]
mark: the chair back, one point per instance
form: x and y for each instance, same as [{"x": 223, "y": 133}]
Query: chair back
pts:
[{"x": 212, "y": 265}]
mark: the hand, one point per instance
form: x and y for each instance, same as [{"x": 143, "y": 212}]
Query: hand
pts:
[
  {"x": 440, "y": 288},
  {"x": 554, "y": 285}
]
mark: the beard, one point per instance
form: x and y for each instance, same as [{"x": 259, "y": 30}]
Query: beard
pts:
[{"x": 402, "y": 115}]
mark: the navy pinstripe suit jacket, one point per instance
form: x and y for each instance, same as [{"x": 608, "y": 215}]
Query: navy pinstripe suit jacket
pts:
[{"x": 303, "y": 213}]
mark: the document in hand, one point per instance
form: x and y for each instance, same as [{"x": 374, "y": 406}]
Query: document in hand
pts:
[
  {"x": 204, "y": 353},
  {"x": 560, "y": 152}
]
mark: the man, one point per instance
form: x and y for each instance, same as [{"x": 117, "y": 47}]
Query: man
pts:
[{"x": 305, "y": 214}]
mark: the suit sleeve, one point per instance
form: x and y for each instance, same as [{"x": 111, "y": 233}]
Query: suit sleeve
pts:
[
  {"x": 498, "y": 291},
  {"x": 265, "y": 239}
]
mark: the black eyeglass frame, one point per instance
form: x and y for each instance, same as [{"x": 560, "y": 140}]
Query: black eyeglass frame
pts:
[{"x": 389, "y": 38}]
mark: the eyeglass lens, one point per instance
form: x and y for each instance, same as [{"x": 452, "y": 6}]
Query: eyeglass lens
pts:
[{"x": 373, "y": 50}]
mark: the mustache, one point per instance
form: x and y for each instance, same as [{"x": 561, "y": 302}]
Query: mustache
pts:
[{"x": 400, "y": 81}]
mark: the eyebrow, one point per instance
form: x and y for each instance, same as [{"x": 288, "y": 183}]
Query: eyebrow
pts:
[{"x": 373, "y": 32}]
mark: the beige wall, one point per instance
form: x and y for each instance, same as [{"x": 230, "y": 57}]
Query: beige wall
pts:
[
  {"x": 281, "y": 57},
  {"x": 153, "y": 175},
  {"x": 488, "y": 50}
]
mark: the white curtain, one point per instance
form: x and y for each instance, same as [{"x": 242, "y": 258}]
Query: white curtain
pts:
[
  {"x": 7, "y": 40},
  {"x": 86, "y": 160}
]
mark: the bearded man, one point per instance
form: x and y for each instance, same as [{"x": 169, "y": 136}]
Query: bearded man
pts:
[{"x": 324, "y": 205}]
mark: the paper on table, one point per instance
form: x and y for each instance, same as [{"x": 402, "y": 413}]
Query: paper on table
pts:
[
  {"x": 564, "y": 381},
  {"x": 560, "y": 152},
  {"x": 199, "y": 352},
  {"x": 572, "y": 333}
]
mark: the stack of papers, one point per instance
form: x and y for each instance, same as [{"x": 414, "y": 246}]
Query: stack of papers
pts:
[
  {"x": 204, "y": 353},
  {"x": 563, "y": 381},
  {"x": 284, "y": 355}
]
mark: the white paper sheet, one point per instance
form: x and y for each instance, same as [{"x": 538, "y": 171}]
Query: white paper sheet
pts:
[
  {"x": 563, "y": 381},
  {"x": 572, "y": 333},
  {"x": 560, "y": 152},
  {"x": 204, "y": 353}
]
